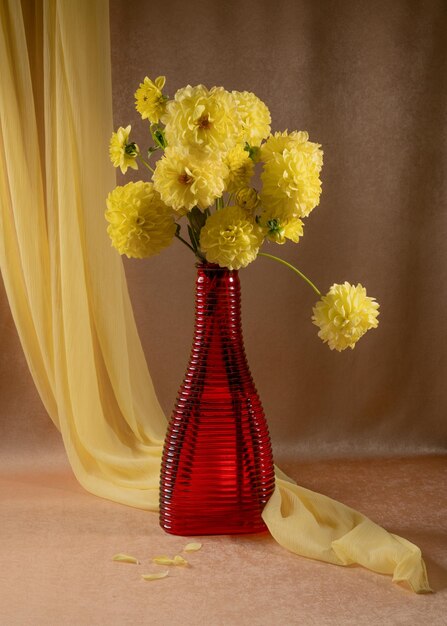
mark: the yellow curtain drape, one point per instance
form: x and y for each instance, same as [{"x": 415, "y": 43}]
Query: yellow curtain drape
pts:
[{"x": 68, "y": 294}]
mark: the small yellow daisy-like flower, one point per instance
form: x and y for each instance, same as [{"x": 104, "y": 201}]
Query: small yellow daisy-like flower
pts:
[
  {"x": 230, "y": 238},
  {"x": 202, "y": 119},
  {"x": 123, "y": 153},
  {"x": 140, "y": 224},
  {"x": 248, "y": 199},
  {"x": 255, "y": 117},
  {"x": 240, "y": 168},
  {"x": 344, "y": 315},
  {"x": 291, "y": 181},
  {"x": 186, "y": 179},
  {"x": 278, "y": 225},
  {"x": 149, "y": 99}
]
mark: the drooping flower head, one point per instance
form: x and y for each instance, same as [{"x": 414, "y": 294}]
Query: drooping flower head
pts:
[
  {"x": 278, "y": 225},
  {"x": 240, "y": 168},
  {"x": 123, "y": 153},
  {"x": 149, "y": 99},
  {"x": 186, "y": 178},
  {"x": 202, "y": 119},
  {"x": 255, "y": 117},
  {"x": 230, "y": 238},
  {"x": 344, "y": 315},
  {"x": 140, "y": 224}
]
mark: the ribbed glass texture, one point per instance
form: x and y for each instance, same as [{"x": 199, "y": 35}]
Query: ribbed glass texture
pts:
[{"x": 217, "y": 468}]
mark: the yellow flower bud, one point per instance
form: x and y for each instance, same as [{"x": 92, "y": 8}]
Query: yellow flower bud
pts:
[
  {"x": 248, "y": 199},
  {"x": 240, "y": 168}
]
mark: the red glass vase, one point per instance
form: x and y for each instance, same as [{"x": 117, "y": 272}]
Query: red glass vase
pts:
[{"x": 217, "y": 467}]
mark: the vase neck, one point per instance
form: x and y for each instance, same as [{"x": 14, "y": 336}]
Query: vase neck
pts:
[{"x": 218, "y": 295}]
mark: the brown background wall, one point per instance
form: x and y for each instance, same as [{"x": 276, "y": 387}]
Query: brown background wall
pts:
[{"x": 368, "y": 81}]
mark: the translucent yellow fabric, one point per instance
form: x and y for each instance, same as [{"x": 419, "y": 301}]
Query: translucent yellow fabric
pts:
[
  {"x": 65, "y": 284},
  {"x": 68, "y": 294}
]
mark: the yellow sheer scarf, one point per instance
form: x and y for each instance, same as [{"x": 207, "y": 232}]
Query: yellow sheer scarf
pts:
[{"x": 68, "y": 294}]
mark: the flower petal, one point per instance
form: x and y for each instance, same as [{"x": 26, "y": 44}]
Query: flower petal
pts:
[
  {"x": 155, "y": 576},
  {"x": 192, "y": 547},
  {"x": 125, "y": 558}
]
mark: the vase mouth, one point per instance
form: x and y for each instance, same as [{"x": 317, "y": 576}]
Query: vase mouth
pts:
[{"x": 205, "y": 265}]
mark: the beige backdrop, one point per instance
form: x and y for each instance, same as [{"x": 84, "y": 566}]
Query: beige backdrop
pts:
[{"x": 368, "y": 81}]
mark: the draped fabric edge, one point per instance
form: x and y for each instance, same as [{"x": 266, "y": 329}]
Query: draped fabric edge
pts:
[{"x": 318, "y": 527}]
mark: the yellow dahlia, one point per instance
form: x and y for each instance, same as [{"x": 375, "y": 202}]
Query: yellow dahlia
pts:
[
  {"x": 255, "y": 117},
  {"x": 248, "y": 199},
  {"x": 278, "y": 142},
  {"x": 344, "y": 315},
  {"x": 240, "y": 168},
  {"x": 291, "y": 181},
  {"x": 278, "y": 225},
  {"x": 185, "y": 179},
  {"x": 149, "y": 99},
  {"x": 123, "y": 153},
  {"x": 202, "y": 119},
  {"x": 140, "y": 224},
  {"x": 230, "y": 238}
]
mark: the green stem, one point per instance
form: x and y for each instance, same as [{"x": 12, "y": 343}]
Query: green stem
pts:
[
  {"x": 219, "y": 203},
  {"x": 146, "y": 164},
  {"x": 194, "y": 236},
  {"x": 293, "y": 268},
  {"x": 185, "y": 242}
]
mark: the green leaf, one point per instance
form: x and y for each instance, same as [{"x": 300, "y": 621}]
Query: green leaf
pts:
[
  {"x": 253, "y": 152},
  {"x": 192, "y": 238},
  {"x": 197, "y": 219},
  {"x": 158, "y": 136}
]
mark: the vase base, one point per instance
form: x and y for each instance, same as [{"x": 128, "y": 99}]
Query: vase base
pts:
[
  {"x": 201, "y": 530},
  {"x": 216, "y": 518}
]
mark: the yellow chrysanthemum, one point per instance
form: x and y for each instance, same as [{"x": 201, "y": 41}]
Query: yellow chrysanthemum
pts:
[
  {"x": 278, "y": 225},
  {"x": 202, "y": 119},
  {"x": 230, "y": 238},
  {"x": 255, "y": 117},
  {"x": 344, "y": 315},
  {"x": 122, "y": 152},
  {"x": 185, "y": 179},
  {"x": 149, "y": 99},
  {"x": 240, "y": 168},
  {"x": 248, "y": 199},
  {"x": 291, "y": 181},
  {"x": 140, "y": 224},
  {"x": 278, "y": 142}
]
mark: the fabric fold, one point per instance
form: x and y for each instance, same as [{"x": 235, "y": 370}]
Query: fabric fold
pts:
[{"x": 317, "y": 527}]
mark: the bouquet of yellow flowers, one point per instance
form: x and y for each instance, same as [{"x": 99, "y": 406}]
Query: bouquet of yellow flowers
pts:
[{"x": 210, "y": 142}]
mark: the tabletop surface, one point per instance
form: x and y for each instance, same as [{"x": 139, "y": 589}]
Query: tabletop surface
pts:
[{"x": 58, "y": 542}]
